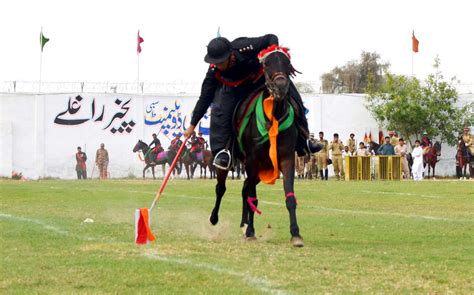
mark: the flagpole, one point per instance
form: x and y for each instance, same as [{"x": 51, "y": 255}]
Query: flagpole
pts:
[
  {"x": 41, "y": 61},
  {"x": 138, "y": 72},
  {"x": 412, "y": 61}
]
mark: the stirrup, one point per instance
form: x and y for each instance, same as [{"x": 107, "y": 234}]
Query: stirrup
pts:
[{"x": 227, "y": 152}]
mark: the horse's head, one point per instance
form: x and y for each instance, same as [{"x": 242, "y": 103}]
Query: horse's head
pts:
[
  {"x": 437, "y": 148},
  {"x": 277, "y": 69},
  {"x": 139, "y": 146}
]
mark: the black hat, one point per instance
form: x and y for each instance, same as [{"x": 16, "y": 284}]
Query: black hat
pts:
[{"x": 218, "y": 50}]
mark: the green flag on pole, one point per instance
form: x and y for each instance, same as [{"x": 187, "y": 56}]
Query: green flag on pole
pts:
[{"x": 43, "y": 40}]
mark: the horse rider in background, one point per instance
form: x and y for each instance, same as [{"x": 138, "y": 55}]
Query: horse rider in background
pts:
[
  {"x": 156, "y": 145},
  {"x": 426, "y": 143}
]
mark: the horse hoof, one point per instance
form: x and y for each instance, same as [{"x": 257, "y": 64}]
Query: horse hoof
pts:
[
  {"x": 213, "y": 219},
  {"x": 250, "y": 239},
  {"x": 297, "y": 242}
]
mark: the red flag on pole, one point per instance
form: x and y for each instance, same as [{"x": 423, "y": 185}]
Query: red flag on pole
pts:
[
  {"x": 370, "y": 136},
  {"x": 366, "y": 138},
  {"x": 139, "y": 41},
  {"x": 415, "y": 42}
]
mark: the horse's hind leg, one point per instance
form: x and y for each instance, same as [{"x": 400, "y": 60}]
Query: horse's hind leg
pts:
[
  {"x": 220, "y": 191},
  {"x": 153, "y": 171},
  {"x": 288, "y": 169}
]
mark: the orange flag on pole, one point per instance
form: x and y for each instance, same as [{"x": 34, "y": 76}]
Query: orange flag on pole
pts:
[{"x": 415, "y": 42}]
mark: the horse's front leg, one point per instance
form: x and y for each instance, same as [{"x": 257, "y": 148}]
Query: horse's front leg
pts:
[
  {"x": 220, "y": 191},
  {"x": 144, "y": 170},
  {"x": 245, "y": 208},
  {"x": 287, "y": 166},
  {"x": 163, "y": 167},
  {"x": 153, "y": 171}
]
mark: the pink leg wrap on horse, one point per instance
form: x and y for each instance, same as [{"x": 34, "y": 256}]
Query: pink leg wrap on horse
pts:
[
  {"x": 291, "y": 194},
  {"x": 252, "y": 205}
]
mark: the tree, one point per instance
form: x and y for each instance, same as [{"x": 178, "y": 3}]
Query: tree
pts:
[
  {"x": 355, "y": 76},
  {"x": 405, "y": 105},
  {"x": 304, "y": 87}
]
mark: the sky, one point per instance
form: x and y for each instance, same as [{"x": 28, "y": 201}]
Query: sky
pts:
[{"x": 96, "y": 40}]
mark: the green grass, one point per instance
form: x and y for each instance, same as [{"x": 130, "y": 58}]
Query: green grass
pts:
[{"x": 378, "y": 237}]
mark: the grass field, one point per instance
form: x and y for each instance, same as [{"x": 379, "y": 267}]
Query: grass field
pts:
[{"x": 379, "y": 237}]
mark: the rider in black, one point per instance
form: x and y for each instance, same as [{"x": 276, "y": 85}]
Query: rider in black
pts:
[
  {"x": 235, "y": 73},
  {"x": 156, "y": 145}
]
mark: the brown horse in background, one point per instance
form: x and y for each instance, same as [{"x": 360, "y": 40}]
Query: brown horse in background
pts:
[{"x": 431, "y": 158}]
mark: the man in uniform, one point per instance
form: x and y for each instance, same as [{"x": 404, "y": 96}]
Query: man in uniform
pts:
[
  {"x": 155, "y": 145},
  {"x": 312, "y": 163},
  {"x": 401, "y": 150},
  {"x": 351, "y": 143},
  {"x": 102, "y": 161},
  {"x": 336, "y": 147},
  {"x": 81, "y": 168},
  {"x": 234, "y": 74},
  {"x": 322, "y": 156},
  {"x": 299, "y": 164},
  {"x": 469, "y": 142}
]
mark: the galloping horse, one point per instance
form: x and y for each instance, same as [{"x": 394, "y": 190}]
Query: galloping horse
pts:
[
  {"x": 462, "y": 159},
  {"x": 267, "y": 138},
  {"x": 166, "y": 158},
  {"x": 431, "y": 157}
]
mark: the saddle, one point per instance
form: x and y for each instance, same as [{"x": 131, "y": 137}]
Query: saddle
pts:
[
  {"x": 243, "y": 114},
  {"x": 161, "y": 156}
]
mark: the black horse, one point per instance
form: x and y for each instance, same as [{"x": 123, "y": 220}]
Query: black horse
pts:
[
  {"x": 144, "y": 148},
  {"x": 277, "y": 70},
  {"x": 374, "y": 147}
]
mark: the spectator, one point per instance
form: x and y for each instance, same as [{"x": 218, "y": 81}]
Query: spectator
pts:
[
  {"x": 351, "y": 143},
  {"x": 299, "y": 164},
  {"x": 362, "y": 150},
  {"x": 337, "y": 147},
  {"x": 81, "y": 168},
  {"x": 393, "y": 138},
  {"x": 417, "y": 167},
  {"x": 323, "y": 157},
  {"x": 401, "y": 150},
  {"x": 386, "y": 149},
  {"x": 102, "y": 161}
]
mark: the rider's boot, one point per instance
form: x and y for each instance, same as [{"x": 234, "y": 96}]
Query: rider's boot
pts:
[{"x": 223, "y": 160}]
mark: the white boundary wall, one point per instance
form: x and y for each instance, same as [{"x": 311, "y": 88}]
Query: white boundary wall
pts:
[{"x": 40, "y": 133}]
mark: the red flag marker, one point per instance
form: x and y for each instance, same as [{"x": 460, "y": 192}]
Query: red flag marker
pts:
[{"x": 139, "y": 41}]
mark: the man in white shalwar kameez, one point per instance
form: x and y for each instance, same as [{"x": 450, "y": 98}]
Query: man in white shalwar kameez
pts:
[{"x": 417, "y": 168}]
